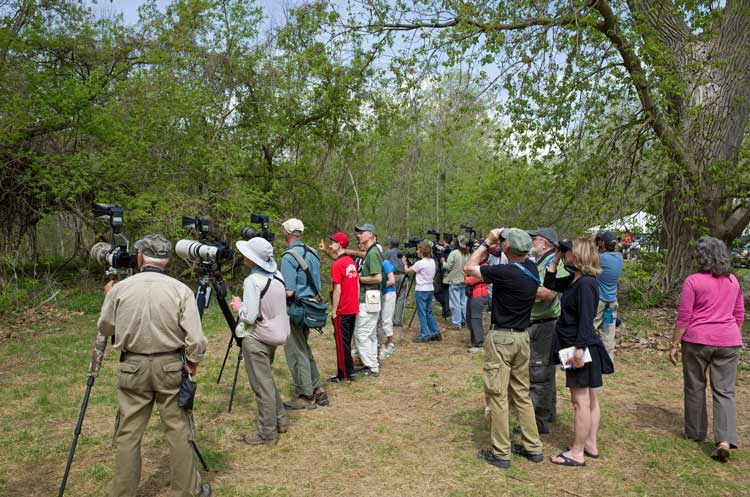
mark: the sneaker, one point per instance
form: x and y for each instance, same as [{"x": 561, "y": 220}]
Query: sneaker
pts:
[
  {"x": 436, "y": 338},
  {"x": 205, "y": 490},
  {"x": 422, "y": 340},
  {"x": 257, "y": 439},
  {"x": 321, "y": 397},
  {"x": 366, "y": 372},
  {"x": 474, "y": 350},
  {"x": 488, "y": 456},
  {"x": 386, "y": 351},
  {"x": 301, "y": 402},
  {"x": 519, "y": 450},
  {"x": 335, "y": 379}
]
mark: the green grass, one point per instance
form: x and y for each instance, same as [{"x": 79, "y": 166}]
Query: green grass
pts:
[{"x": 415, "y": 430}]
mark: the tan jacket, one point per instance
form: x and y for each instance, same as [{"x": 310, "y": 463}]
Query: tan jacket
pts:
[
  {"x": 454, "y": 268},
  {"x": 150, "y": 313}
]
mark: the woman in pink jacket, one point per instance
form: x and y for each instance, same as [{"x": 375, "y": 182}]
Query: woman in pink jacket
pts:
[{"x": 708, "y": 327}]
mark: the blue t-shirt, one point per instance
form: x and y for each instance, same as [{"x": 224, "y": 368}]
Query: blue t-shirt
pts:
[
  {"x": 387, "y": 268},
  {"x": 295, "y": 278},
  {"x": 607, "y": 281}
]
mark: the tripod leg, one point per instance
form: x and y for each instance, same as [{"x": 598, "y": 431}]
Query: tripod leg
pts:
[
  {"x": 199, "y": 455},
  {"x": 412, "y": 317},
  {"x": 234, "y": 382},
  {"x": 226, "y": 355},
  {"x": 77, "y": 433}
]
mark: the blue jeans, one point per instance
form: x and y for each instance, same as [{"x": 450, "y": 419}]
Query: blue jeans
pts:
[
  {"x": 426, "y": 319},
  {"x": 457, "y": 295}
]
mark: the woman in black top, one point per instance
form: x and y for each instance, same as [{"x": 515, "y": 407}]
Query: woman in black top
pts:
[{"x": 575, "y": 328}]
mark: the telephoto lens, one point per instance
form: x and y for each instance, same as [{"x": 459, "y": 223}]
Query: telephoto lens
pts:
[
  {"x": 100, "y": 252},
  {"x": 193, "y": 251},
  {"x": 249, "y": 232}
]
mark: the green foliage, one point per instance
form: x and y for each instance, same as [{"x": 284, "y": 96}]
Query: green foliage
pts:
[{"x": 636, "y": 282}]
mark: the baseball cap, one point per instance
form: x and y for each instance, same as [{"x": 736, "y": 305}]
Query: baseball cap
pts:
[
  {"x": 607, "y": 237},
  {"x": 548, "y": 234},
  {"x": 340, "y": 238},
  {"x": 366, "y": 227},
  {"x": 517, "y": 239},
  {"x": 154, "y": 246},
  {"x": 293, "y": 224}
]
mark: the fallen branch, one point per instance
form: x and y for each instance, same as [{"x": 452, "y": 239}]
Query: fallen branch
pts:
[{"x": 51, "y": 298}]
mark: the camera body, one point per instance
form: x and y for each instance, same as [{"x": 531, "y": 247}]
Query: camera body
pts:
[
  {"x": 199, "y": 224},
  {"x": 116, "y": 256},
  {"x": 248, "y": 232}
]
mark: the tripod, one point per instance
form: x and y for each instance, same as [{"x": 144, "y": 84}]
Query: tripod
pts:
[{"x": 211, "y": 281}]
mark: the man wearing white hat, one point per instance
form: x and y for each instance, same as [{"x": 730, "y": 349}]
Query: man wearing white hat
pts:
[
  {"x": 263, "y": 325},
  {"x": 308, "y": 387}
]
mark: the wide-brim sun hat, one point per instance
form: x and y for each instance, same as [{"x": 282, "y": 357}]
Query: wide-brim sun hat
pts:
[{"x": 259, "y": 251}]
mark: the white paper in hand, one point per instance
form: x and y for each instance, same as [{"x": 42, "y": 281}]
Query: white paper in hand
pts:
[{"x": 567, "y": 354}]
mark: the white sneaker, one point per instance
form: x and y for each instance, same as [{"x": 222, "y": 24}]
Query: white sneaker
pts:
[
  {"x": 474, "y": 350},
  {"x": 386, "y": 351}
]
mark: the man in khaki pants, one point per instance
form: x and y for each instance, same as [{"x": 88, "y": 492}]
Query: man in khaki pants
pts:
[
  {"x": 155, "y": 321},
  {"x": 507, "y": 344}
]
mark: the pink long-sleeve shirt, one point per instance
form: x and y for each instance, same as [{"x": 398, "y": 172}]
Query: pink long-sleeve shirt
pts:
[{"x": 711, "y": 310}]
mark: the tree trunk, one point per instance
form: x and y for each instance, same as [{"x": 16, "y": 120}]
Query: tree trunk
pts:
[{"x": 679, "y": 234}]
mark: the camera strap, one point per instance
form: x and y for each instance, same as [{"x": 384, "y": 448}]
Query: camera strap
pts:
[{"x": 527, "y": 272}]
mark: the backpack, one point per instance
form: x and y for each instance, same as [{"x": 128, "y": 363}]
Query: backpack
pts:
[{"x": 310, "y": 312}]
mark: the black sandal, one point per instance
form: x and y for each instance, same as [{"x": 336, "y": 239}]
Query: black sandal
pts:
[{"x": 567, "y": 461}]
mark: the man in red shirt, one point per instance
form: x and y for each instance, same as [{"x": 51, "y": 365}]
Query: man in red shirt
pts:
[{"x": 344, "y": 303}]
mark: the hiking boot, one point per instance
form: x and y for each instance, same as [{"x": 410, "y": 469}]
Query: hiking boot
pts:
[
  {"x": 488, "y": 456},
  {"x": 436, "y": 338},
  {"x": 321, "y": 397},
  {"x": 301, "y": 402},
  {"x": 205, "y": 490},
  {"x": 257, "y": 439}
]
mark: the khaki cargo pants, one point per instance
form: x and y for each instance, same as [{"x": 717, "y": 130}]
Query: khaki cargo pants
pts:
[
  {"x": 143, "y": 382},
  {"x": 506, "y": 379}
]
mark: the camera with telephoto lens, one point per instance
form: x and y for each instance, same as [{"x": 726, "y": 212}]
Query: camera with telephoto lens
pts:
[
  {"x": 203, "y": 251},
  {"x": 410, "y": 243},
  {"x": 249, "y": 232},
  {"x": 114, "y": 255}
]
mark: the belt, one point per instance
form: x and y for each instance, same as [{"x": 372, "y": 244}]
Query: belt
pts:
[
  {"x": 513, "y": 330},
  {"x": 539, "y": 321},
  {"x": 125, "y": 354}
]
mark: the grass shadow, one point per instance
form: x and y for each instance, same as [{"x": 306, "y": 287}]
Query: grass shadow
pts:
[{"x": 658, "y": 418}]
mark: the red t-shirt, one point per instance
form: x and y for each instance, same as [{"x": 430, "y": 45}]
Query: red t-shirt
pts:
[{"x": 344, "y": 273}]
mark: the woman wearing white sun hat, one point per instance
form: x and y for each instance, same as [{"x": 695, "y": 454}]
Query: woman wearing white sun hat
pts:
[{"x": 263, "y": 325}]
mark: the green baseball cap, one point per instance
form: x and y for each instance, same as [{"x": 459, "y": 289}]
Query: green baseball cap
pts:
[
  {"x": 366, "y": 227},
  {"x": 154, "y": 246},
  {"x": 517, "y": 239}
]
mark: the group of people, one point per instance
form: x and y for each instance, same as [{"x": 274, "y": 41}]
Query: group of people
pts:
[{"x": 551, "y": 302}]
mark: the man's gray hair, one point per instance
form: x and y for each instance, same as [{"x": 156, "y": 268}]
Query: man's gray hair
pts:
[{"x": 712, "y": 256}]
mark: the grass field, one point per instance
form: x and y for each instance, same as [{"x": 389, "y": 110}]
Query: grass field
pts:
[{"x": 414, "y": 431}]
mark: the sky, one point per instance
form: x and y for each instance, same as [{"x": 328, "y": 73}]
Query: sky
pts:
[{"x": 129, "y": 8}]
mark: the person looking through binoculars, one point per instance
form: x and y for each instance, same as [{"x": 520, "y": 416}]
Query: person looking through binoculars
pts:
[
  {"x": 263, "y": 325},
  {"x": 157, "y": 329}
]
